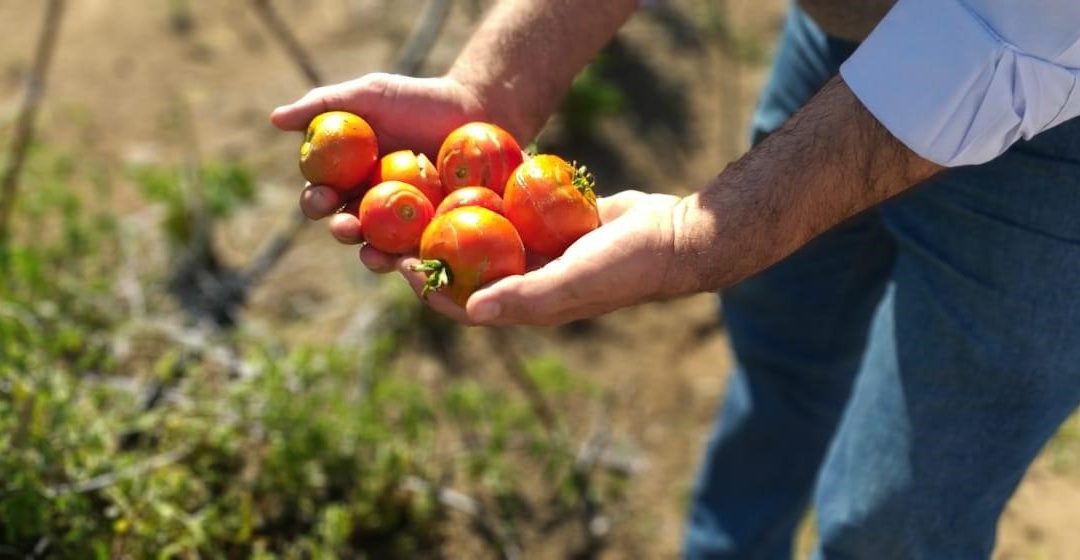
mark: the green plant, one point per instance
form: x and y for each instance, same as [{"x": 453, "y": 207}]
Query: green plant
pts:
[
  {"x": 211, "y": 192},
  {"x": 591, "y": 99},
  {"x": 146, "y": 437}
]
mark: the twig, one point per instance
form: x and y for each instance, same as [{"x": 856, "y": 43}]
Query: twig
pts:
[
  {"x": 272, "y": 251},
  {"x": 196, "y": 344},
  {"x": 503, "y": 345},
  {"x": 492, "y": 534},
  {"x": 288, "y": 41},
  {"x": 414, "y": 53},
  {"x": 621, "y": 464},
  {"x": 24, "y": 126},
  {"x": 592, "y": 450},
  {"x": 134, "y": 471},
  {"x": 128, "y": 287},
  {"x": 196, "y": 340},
  {"x": 728, "y": 75},
  {"x": 204, "y": 286},
  {"x": 594, "y": 525},
  {"x": 193, "y": 190},
  {"x": 41, "y": 546},
  {"x": 423, "y": 36}
]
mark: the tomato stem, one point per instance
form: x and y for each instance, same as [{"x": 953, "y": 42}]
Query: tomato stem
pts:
[
  {"x": 584, "y": 181},
  {"x": 438, "y": 275}
]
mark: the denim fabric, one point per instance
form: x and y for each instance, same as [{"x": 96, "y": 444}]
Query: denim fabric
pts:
[{"x": 904, "y": 369}]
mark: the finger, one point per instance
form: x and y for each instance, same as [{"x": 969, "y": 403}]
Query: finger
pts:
[
  {"x": 378, "y": 261},
  {"x": 317, "y": 201},
  {"x": 346, "y": 228},
  {"x": 297, "y": 115},
  {"x": 354, "y": 96},
  {"x": 611, "y": 207},
  {"x": 436, "y": 300},
  {"x": 539, "y": 297}
]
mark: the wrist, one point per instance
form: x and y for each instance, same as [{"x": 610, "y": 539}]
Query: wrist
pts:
[
  {"x": 696, "y": 265},
  {"x": 494, "y": 100},
  {"x": 678, "y": 278}
]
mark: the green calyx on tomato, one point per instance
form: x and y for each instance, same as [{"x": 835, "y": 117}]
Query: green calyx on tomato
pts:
[
  {"x": 438, "y": 275},
  {"x": 584, "y": 181}
]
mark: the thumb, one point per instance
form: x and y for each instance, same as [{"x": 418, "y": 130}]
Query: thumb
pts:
[
  {"x": 539, "y": 297},
  {"x": 611, "y": 207},
  {"x": 353, "y": 96}
]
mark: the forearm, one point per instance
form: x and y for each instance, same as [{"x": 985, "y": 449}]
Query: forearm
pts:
[
  {"x": 830, "y": 161},
  {"x": 522, "y": 59}
]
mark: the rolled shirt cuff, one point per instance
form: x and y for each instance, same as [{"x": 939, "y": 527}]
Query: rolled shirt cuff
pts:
[{"x": 942, "y": 81}]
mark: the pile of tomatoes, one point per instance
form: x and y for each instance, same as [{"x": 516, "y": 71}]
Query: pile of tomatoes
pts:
[{"x": 472, "y": 216}]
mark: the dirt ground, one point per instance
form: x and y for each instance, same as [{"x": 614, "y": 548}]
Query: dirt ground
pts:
[{"x": 124, "y": 71}]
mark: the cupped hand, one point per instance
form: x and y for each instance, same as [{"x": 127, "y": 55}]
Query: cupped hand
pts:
[
  {"x": 627, "y": 260},
  {"x": 405, "y": 112}
]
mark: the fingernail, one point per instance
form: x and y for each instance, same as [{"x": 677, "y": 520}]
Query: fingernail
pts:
[{"x": 486, "y": 311}]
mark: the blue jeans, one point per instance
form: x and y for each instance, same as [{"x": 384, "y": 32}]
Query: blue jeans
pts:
[{"x": 901, "y": 371}]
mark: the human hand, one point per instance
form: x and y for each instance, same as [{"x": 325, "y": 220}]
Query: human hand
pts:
[
  {"x": 405, "y": 112},
  {"x": 627, "y": 260}
]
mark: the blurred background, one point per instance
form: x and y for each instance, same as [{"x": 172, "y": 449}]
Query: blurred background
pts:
[{"x": 187, "y": 369}]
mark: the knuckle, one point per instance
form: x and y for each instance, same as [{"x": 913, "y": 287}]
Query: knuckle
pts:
[
  {"x": 373, "y": 84},
  {"x": 316, "y": 93}
]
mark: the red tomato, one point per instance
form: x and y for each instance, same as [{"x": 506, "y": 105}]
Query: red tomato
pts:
[
  {"x": 466, "y": 248},
  {"x": 408, "y": 167},
  {"x": 478, "y": 154},
  {"x": 339, "y": 151},
  {"x": 551, "y": 203},
  {"x": 393, "y": 216},
  {"x": 471, "y": 196}
]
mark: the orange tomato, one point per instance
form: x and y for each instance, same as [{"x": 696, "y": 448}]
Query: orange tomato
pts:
[
  {"x": 466, "y": 248},
  {"x": 551, "y": 203},
  {"x": 471, "y": 196},
  {"x": 393, "y": 216},
  {"x": 339, "y": 151},
  {"x": 416, "y": 170},
  {"x": 478, "y": 154}
]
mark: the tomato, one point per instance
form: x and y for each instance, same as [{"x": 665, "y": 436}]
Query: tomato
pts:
[
  {"x": 408, "y": 167},
  {"x": 393, "y": 216},
  {"x": 551, "y": 203},
  {"x": 471, "y": 196},
  {"x": 339, "y": 151},
  {"x": 478, "y": 154},
  {"x": 466, "y": 248}
]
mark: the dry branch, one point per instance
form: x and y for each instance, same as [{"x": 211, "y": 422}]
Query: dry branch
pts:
[
  {"x": 134, "y": 471},
  {"x": 594, "y": 525},
  {"x": 423, "y": 36},
  {"x": 273, "y": 250},
  {"x": 489, "y": 530},
  {"x": 503, "y": 347},
  {"x": 24, "y": 125},
  {"x": 277, "y": 26}
]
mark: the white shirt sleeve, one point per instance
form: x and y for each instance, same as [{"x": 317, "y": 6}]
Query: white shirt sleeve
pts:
[{"x": 959, "y": 81}]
